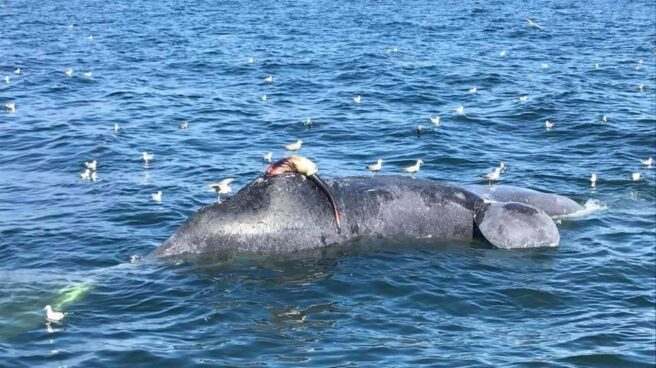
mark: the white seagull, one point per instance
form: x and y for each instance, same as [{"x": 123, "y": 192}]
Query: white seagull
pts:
[
  {"x": 53, "y": 316},
  {"x": 267, "y": 157},
  {"x": 414, "y": 168},
  {"x": 88, "y": 74},
  {"x": 294, "y": 146},
  {"x": 523, "y": 98},
  {"x": 492, "y": 176},
  {"x": 222, "y": 187},
  {"x": 157, "y": 196},
  {"x": 116, "y": 127},
  {"x": 473, "y": 90},
  {"x": 183, "y": 125},
  {"x": 91, "y": 165},
  {"x": 459, "y": 110},
  {"x": 7, "y": 79},
  {"x": 648, "y": 162},
  {"x": 147, "y": 157},
  {"x": 435, "y": 120},
  {"x": 502, "y": 53},
  {"x": 604, "y": 118},
  {"x": 86, "y": 175},
  {"x": 269, "y": 79},
  {"x": 17, "y": 71},
  {"x": 251, "y": 60},
  {"x": 532, "y": 24},
  {"x": 548, "y": 124},
  {"x": 636, "y": 176},
  {"x": 308, "y": 122},
  {"x": 10, "y": 107},
  {"x": 264, "y": 97},
  {"x": 376, "y": 167},
  {"x": 69, "y": 72},
  {"x": 357, "y": 99},
  {"x": 593, "y": 180}
]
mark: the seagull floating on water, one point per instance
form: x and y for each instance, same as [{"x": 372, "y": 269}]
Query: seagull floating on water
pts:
[
  {"x": 116, "y": 127},
  {"x": 10, "y": 107},
  {"x": 91, "y": 165},
  {"x": 86, "y": 175},
  {"x": 269, "y": 79},
  {"x": 523, "y": 98},
  {"x": 183, "y": 125},
  {"x": 69, "y": 72},
  {"x": 147, "y": 157},
  {"x": 88, "y": 74},
  {"x": 222, "y": 187},
  {"x": 502, "y": 53},
  {"x": 414, "y": 168},
  {"x": 544, "y": 65},
  {"x": 435, "y": 120},
  {"x": 251, "y": 60},
  {"x": 548, "y": 124},
  {"x": 604, "y": 118},
  {"x": 90, "y": 38},
  {"x": 376, "y": 167},
  {"x": 639, "y": 64},
  {"x": 473, "y": 90},
  {"x": 636, "y": 176},
  {"x": 17, "y": 71},
  {"x": 53, "y": 316},
  {"x": 641, "y": 87},
  {"x": 267, "y": 157},
  {"x": 357, "y": 99},
  {"x": 502, "y": 167},
  {"x": 94, "y": 176},
  {"x": 308, "y": 122},
  {"x": 593, "y": 180},
  {"x": 532, "y": 24},
  {"x": 648, "y": 162},
  {"x": 459, "y": 110},
  {"x": 596, "y": 66},
  {"x": 157, "y": 196},
  {"x": 294, "y": 146},
  {"x": 7, "y": 79}
]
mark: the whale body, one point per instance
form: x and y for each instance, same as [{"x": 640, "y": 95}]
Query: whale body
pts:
[{"x": 287, "y": 213}]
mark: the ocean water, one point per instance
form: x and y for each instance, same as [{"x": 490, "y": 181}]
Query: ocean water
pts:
[{"x": 78, "y": 244}]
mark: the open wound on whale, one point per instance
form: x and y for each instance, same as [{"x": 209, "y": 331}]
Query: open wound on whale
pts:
[{"x": 304, "y": 166}]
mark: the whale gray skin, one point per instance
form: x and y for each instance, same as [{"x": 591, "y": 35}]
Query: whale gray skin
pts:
[
  {"x": 553, "y": 204},
  {"x": 287, "y": 213}
]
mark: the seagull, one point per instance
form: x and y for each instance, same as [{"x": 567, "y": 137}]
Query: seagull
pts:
[
  {"x": 53, "y": 316},
  {"x": 376, "y": 167},
  {"x": 641, "y": 87},
  {"x": 544, "y": 65},
  {"x": 414, "y": 168},
  {"x": 7, "y": 79},
  {"x": 86, "y": 175},
  {"x": 69, "y": 72},
  {"x": 157, "y": 196},
  {"x": 268, "y": 157},
  {"x": 88, "y": 74},
  {"x": 10, "y": 107},
  {"x": 604, "y": 118},
  {"x": 17, "y": 71},
  {"x": 502, "y": 167},
  {"x": 94, "y": 176},
  {"x": 91, "y": 165},
  {"x": 596, "y": 66},
  {"x": 459, "y": 110},
  {"x": 523, "y": 98},
  {"x": 648, "y": 162},
  {"x": 636, "y": 176},
  {"x": 222, "y": 187},
  {"x": 147, "y": 156},
  {"x": 639, "y": 64},
  {"x": 419, "y": 129},
  {"x": 308, "y": 122},
  {"x": 593, "y": 180},
  {"x": 357, "y": 99},
  {"x": 251, "y": 60},
  {"x": 502, "y": 53},
  {"x": 269, "y": 79},
  {"x": 183, "y": 125},
  {"x": 294, "y": 146},
  {"x": 90, "y": 38},
  {"x": 548, "y": 124},
  {"x": 264, "y": 97},
  {"x": 532, "y": 24},
  {"x": 435, "y": 120},
  {"x": 116, "y": 127},
  {"x": 473, "y": 90},
  {"x": 492, "y": 176}
]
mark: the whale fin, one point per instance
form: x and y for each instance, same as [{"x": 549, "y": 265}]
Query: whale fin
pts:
[{"x": 511, "y": 225}]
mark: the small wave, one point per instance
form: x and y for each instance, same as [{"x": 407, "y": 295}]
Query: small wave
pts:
[{"x": 591, "y": 206}]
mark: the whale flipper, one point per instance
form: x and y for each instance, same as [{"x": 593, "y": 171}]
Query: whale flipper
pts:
[{"x": 511, "y": 225}]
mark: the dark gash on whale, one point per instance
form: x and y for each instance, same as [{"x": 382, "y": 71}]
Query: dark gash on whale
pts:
[{"x": 287, "y": 213}]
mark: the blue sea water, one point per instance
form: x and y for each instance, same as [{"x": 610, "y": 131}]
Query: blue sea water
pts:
[{"x": 77, "y": 244}]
